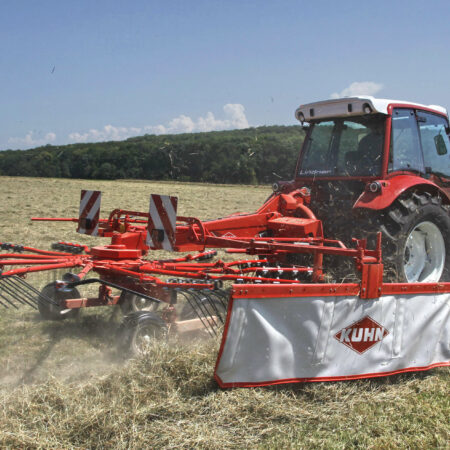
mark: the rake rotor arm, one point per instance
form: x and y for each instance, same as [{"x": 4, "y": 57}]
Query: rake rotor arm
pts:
[
  {"x": 37, "y": 260},
  {"x": 21, "y": 248},
  {"x": 31, "y": 258},
  {"x": 41, "y": 268}
]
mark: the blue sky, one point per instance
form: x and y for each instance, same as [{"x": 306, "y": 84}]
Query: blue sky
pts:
[{"x": 99, "y": 70}]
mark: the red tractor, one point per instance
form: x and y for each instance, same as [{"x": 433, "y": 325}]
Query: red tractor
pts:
[{"x": 380, "y": 165}]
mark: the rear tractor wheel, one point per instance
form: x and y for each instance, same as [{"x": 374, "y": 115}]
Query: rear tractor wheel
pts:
[{"x": 416, "y": 240}]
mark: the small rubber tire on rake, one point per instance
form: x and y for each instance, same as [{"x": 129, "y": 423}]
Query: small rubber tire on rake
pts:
[
  {"x": 50, "y": 311},
  {"x": 139, "y": 330},
  {"x": 133, "y": 303}
]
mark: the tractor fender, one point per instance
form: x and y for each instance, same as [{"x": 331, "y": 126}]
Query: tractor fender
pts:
[{"x": 390, "y": 189}]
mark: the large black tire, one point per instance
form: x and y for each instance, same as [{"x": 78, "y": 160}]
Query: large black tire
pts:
[
  {"x": 50, "y": 311},
  {"x": 139, "y": 330},
  {"x": 416, "y": 239}
]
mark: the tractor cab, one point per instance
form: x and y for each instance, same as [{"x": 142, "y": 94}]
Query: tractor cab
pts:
[{"x": 363, "y": 138}]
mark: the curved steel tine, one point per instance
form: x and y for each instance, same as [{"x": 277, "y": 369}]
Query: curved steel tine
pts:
[
  {"x": 220, "y": 314},
  {"x": 193, "y": 303},
  {"x": 18, "y": 293},
  {"x": 222, "y": 296},
  {"x": 210, "y": 296},
  {"x": 35, "y": 291},
  {"x": 206, "y": 314},
  {"x": 9, "y": 301},
  {"x": 14, "y": 293},
  {"x": 204, "y": 309},
  {"x": 15, "y": 290}
]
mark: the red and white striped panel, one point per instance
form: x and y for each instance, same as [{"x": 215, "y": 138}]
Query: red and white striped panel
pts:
[
  {"x": 89, "y": 212},
  {"x": 162, "y": 222}
]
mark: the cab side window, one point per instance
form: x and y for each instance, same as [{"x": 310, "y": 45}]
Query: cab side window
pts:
[
  {"x": 405, "y": 152},
  {"x": 435, "y": 143}
]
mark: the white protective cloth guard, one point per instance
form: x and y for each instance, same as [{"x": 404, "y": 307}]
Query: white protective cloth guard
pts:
[{"x": 291, "y": 339}]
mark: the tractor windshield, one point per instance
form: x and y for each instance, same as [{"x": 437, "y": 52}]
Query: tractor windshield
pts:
[{"x": 344, "y": 147}]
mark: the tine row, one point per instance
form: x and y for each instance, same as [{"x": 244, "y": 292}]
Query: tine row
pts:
[
  {"x": 15, "y": 291},
  {"x": 209, "y": 306}
]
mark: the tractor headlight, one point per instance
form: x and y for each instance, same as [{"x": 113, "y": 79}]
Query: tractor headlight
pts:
[{"x": 375, "y": 186}]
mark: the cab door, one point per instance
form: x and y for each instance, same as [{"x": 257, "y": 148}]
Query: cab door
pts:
[
  {"x": 435, "y": 145},
  {"x": 405, "y": 152}
]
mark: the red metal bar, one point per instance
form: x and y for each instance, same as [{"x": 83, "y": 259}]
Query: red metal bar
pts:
[
  {"x": 40, "y": 252},
  {"x": 87, "y": 302},
  {"x": 24, "y": 270},
  {"x": 33, "y": 257},
  {"x": 85, "y": 270},
  {"x": 330, "y": 290},
  {"x": 15, "y": 262}
]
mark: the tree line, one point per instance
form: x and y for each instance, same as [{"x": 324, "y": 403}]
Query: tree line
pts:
[{"x": 249, "y": 156}]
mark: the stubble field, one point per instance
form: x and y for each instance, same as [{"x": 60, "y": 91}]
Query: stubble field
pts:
[{"x": 64, "y": 385}]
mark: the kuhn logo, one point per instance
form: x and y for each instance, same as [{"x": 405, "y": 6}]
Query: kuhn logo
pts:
[{"x": 362, "y": 335}]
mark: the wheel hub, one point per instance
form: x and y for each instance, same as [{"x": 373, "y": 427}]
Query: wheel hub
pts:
[{"x": 424, "y": 253}]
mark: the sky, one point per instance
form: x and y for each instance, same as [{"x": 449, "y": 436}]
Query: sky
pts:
[{"x": 88, "y": 71}]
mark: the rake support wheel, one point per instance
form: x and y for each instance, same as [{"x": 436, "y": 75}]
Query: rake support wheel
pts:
[
  {"x": 133, "y": 303},
  {"x": 49, "y": 311},
  {"x": 139, "y": 330}
]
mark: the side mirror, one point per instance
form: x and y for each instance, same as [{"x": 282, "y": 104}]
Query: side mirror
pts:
[{"x": 439, "y": 142}]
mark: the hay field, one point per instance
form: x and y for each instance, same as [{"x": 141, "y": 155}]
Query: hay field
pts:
[{"x": 63, "y": 385}]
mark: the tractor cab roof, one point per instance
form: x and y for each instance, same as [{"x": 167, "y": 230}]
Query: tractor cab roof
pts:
[{"x": 354, "y": 106}]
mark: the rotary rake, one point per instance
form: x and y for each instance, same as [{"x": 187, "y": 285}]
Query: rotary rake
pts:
[{"x": 276, "y": 303}]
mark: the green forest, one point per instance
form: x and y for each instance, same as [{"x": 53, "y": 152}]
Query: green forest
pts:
[{"x": 249, "y": 156}]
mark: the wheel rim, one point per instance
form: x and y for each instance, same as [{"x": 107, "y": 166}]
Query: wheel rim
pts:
[
  {"x": 142, "y": 304},
  {"x": 143, "y": 339},
  {"x": 424, "y": 254},
  {"x": 145, "y": 336}
]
